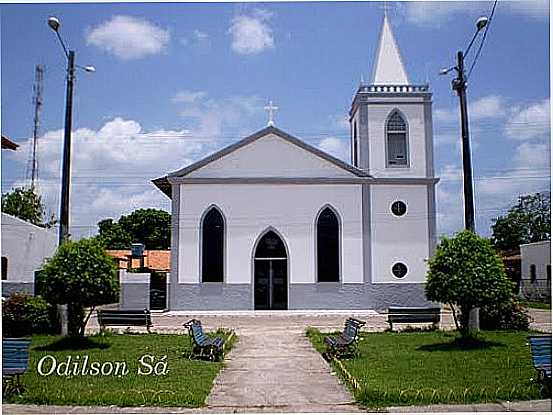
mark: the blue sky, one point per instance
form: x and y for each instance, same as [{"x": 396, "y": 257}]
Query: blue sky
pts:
[{"x": 175, "y": 82}]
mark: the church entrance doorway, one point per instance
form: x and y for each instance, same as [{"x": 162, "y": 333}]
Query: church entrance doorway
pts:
[{"x": 270, "y": 273}]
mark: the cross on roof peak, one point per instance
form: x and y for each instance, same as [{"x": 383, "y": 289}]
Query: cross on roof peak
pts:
[{"x": 271, "y": 109}]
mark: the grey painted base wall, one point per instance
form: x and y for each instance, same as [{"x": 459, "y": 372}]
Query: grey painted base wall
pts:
[
  {"x": 326, "y": 296},
  {"x": 134, "y": 296},
  {"x": 9, "y": 287},
  {"x": 210, "y": 296}
]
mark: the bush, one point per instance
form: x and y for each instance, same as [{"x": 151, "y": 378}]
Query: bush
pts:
[
  {"x": 466, "y": 272},
  {"x": 509, "y": 316},
  {"x": 24, "y": 314}
]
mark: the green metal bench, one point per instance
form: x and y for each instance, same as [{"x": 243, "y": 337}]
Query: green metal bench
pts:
[
  {"x": 345, "y": 344},
  {"x": 15, "y": 361},
  {"x": 541, "y": 356},
  {"x": 202, "y": 345},
  {"x": 125, "y": 318},
  {"x": 413, "y": 315}
]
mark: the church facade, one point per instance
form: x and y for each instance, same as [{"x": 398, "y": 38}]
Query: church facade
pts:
[{"x": 272, "y": 223}]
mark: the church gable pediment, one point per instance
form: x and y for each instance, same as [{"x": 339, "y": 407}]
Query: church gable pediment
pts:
[{"x": 269, "y": 153}]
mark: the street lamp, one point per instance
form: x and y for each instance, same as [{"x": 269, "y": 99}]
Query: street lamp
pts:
[{"x": 54, "y": 24}]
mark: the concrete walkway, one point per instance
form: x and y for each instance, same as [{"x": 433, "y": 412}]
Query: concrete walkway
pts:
[{"x": 279, "y": 369}]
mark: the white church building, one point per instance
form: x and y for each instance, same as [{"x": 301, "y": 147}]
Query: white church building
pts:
[{"x": 271, "y": 222}]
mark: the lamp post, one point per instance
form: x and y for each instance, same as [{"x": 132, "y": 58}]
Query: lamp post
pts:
[
  {"x": 459, "y": 85},
  {"x": 55, "y": 24}
]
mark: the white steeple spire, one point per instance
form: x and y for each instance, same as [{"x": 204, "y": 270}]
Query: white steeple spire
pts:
[{"x": 388, "y": 67}]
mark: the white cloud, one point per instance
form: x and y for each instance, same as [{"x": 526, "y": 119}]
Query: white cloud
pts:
[
  {"x": 532, "y": 121},
  {"x": 335, "y": 147},
  {"x": 128, "y": 37},
  {"x": 189, "y": 96},
  {"x": 532, "y": 156},
  {"x": 537, "y": 9},
  {"x": 436, "y": 13},
  {"x": 198, "y": 39},
  {"x": 495, "y": 191},
  {"x": 251, "y": 34},
  {"x": 488, "y": 107},
  {"x": 112, "y": 167}
]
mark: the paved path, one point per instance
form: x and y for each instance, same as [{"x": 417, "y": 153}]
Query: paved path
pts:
[{"x": 278, "y": 368}]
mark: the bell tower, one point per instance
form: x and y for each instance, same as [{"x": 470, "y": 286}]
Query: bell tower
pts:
[
  {"x": 391, "y": 139},
  {"x": 391, "y": 117}
]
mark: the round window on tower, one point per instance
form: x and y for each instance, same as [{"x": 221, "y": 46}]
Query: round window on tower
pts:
[
  {"x": 399, "y": 208},
  {"x": 399, "y": 270}
]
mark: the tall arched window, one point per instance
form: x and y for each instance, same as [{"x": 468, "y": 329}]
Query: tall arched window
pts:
[
  {"x": 213, "y": 246},
  {"x": 328, "y": 246},
  {"x": 354, "y": 144},
  {"x": 396, "y": 141}
]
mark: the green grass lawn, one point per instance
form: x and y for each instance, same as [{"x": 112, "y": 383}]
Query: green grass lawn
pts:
[
  {"x": 536, "y": 304},
  {"x": 187, "y": 382},
  {"x": 430, "y": 367}
]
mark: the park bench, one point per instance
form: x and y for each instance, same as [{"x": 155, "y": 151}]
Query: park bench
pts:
[
  {"x": 413, "y": 315},
  {"x": 345, "y": 343},
  {"x": 202, "y": 345},
  {"x": 125, "y": 318},
  {"x": 15, "y": 361},
  {"x": 541, "y": 356}
]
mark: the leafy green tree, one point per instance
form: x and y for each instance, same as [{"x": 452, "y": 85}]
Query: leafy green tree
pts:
[
  {"x": 152, "y": 227},
  {"x": 82, "y": 275},
  {"x": 113, "y": 236},
  {"x": 527, "y": 221},
  {"x": 27, "y": 205},
  {"x": 466, "y": 272}
]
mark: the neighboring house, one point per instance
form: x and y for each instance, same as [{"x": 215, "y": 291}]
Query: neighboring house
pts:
[
  {"x": 271, "y": 222},
  {"x": 155, "y": 259},
  {"x": 535, "y": 281},
  {"x": 25, "y": 247}
]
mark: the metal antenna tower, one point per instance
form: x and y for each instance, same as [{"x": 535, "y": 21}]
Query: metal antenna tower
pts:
[{"x": 32, "y": 166}]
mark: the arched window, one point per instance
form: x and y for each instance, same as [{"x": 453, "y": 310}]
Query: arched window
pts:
[
  {"x": 328, "y": 246},
  {"x": 213, "y": 246},
  {"x": 4, "y": 268},
  {"x": 396, "y": 141},
  {"x": 354, "y": 145}
]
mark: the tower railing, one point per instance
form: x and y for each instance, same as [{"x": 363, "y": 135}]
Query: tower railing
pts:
[{"x": 393, "y": 88}]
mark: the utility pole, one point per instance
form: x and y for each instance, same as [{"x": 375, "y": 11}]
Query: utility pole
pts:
[
  {"x": 54, "y": 24},
  {"x": 32, "y": 167},
  {"x": 459, "y": 85},
  {"x": 66, "y": 166}
]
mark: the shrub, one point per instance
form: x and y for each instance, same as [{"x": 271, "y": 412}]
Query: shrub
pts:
[
  {"x": 466, "y": 272},
  {"x": 82, "y": 275},
  {"x": 509, "y": 316},
  {"x": 24, "y": 314}
]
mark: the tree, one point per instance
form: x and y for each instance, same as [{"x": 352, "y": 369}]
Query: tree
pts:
[
  {"x": 466, "y": 272},
  {"x": 152, "y": 227},
  {"x": 527, "y": 221},
  {"x": 113, "y": 236},
  {"x": 27, "y": 205},
  {"x": 80, "y": 274}
]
